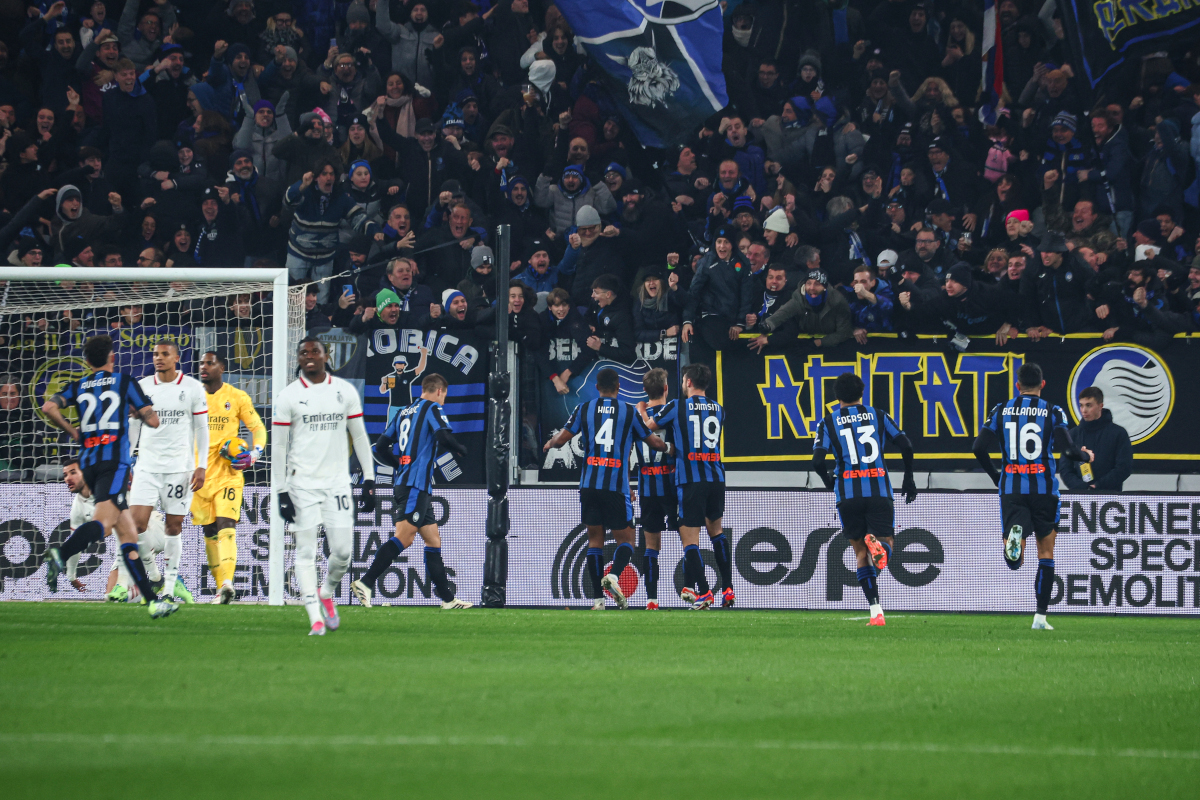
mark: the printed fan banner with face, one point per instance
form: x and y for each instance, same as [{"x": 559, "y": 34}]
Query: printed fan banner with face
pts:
[{"x": 661, "y": 61}]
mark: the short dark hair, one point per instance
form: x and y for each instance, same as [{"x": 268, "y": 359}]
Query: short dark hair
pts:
[
  {"x": 608, "y": 381},
  {"x": 97, "y": 349},
  {"x": 848, "y": 387},
  {"x": 220, "y": 359},
  {"x": 1029, "y": 376},
  {"x": 308, "y": 339},
  {"x": 69, "y": 461},
  {"x": 655, "y": 383},
  {"x": 168, "y": 343},
  {"x": 1094, "y": 393},
  {"x": 699, "y": 374},
  {"x": 434, "y": 382},
  {"x": 607, "y": 283},
  {"x": 322, "y": 163}
]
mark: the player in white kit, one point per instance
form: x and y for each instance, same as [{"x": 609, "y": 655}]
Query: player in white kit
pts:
[
  {"x": 166, "y": 473},
  {"x": 312, "y": 418}
]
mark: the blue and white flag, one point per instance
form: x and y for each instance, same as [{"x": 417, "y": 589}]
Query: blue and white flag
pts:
[{"x": 661, "y": 59}]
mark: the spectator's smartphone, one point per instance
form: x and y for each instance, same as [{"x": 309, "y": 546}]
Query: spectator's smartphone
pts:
[{"x": 347, "y": 289}]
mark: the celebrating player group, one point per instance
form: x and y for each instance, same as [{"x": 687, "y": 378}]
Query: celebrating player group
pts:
[{"x": 170, "y": 419}]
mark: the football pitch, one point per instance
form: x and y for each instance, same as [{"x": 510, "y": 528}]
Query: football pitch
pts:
[{"x": 99, "y": 701}]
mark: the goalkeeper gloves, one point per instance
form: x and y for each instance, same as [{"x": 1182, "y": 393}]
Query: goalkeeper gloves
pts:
[
  {"x": 247, "y": 459},
  {"x": 366, "y": 501},
  {"x": 286, "y": 509}
]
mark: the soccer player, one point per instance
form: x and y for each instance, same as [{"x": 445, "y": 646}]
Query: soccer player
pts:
[
  {"x": 166, "y": 472},
  {"x": 695, "y": 423},
  {"x": 313, "y": 416},
  {"x": 656, "y": 485},
  {"x": 103, "y": 399},
  {"x": 607, "y": 428},
  {"x": 217, "y": 505},
  {"x": 417, "y": 432},
  {"x": 857, "y": 435},
  {"x": 83, "y": 505},
  {"x": 1029, "y": 430}
]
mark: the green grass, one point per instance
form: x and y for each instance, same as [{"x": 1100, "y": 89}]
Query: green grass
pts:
[{"x": 99, "y": 701}]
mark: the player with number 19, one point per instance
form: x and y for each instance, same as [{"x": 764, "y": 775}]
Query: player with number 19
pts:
[
  {"x": 417, "y": 432},
  {"x": 856, "y": 435},
  {"x": 695, "y": 425},
  {"x": 608, "y": 429},
  {"x": 1028, "y": 429},
  {"x": 313, "y": 417}
]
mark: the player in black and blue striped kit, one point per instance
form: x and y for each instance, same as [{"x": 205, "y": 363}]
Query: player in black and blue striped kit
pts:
[
  {"x": 409, "y": 444},
  {"x": 856, "y": 436},
  {"x": 104, "y": 400},
  {"x": 608, "y": 429},
  {"x": 656, "y": 485},
  {"x": 1029, "y": 430},
  {"x": 695, "y": 424}
]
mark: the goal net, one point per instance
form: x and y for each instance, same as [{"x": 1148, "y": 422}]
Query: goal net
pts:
[{"x": 249, "y": 316}]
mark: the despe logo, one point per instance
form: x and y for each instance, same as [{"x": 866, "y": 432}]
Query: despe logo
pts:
[
  {"x": 1138, "y": 387},
  {"x": 50, "y": 379},
  {"x": 765, "y": 557}
]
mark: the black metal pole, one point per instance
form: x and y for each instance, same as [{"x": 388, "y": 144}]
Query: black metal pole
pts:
[{"x": 495, "y": 560}]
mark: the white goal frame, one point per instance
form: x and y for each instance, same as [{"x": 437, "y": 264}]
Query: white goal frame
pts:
[{"x": 278, "y": 277}]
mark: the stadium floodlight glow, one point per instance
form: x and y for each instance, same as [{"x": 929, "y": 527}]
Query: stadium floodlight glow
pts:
[{"x": 52, "y": 309}]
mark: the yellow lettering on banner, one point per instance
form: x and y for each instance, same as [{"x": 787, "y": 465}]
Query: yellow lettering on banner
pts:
[{"x": 1114, "y": 16}]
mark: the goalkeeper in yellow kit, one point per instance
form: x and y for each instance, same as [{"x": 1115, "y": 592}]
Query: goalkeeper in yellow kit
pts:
[{"x": 217, "y": 506}]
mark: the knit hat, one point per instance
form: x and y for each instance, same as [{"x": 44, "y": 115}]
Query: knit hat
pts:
[
  {"x": 1019, "y": 214},
  {"x": 424, "y": 126},
  {"x": 72, "y": 247},
  {"x": 359, "y": 119},
  {"x": 587, "y": 215},
  {"x": 360, "y": 243},
  {"x": 742, "y": 203},
  {"x": 385, "y": 298},
  {"x": 481, "y": 254},
  {"x": 541, "y": 74},
  {"x": 452, "y": 186},
  {"x": 236, "y": 49},
  {"x": 617, "y": 168},
  {"x": 500, "y": 130},
  {"x": 307, "y": 120},
  {"x": 290, "y": 54},
  {"x": 165, "y": 49},
  {"x": 572, "y": 168},
  {"x": 357, "y": 12},
  {"x": 1064, "y": 119},
  {"x": 777, "y": 221},
  {"x": 261, "y": 104},
  {"x": 1053, "y": 242},
  {"x": 818, "y": 276},
  {"x": 724, "y": 232},
  {"x": 452, "y": 120},
  {"x": 239, "y": 153},
  {"x": 465, "y": 96},
  {"x": 887, "y": 258},
  {"x": 26, "y": 244},
  {"x": 960, "y": 273},
  {"x": 362, "y": 162},
  {"x": 448, "y": 297},
  {"x": 536, "y": 246},
  {"x": 938, "y": 143}
]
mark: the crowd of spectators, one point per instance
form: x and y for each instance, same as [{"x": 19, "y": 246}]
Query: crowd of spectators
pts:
[{"x": 848, "y": 188}]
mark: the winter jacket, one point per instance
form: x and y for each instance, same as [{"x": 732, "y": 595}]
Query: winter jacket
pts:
[
  {"x": 830, "y": 321},
  {"x": 1115, "y": 192},
  {"x": 716, "y": 290},
  {"x": 601, "y": 257},
  {"x": 300, "y": 153},
  {"x": 132, "y": 125},
  {"x": 1163, "y": 173},
  {"x": 980, "y": 311},
  {"x": 314, "y": 231},
  {"x": 219, "y": 243},
  {"x": 564, "y": 205},
  {"x": 408, "y": 46},
  {"x": 651, "y": 324},
  {"x": 614, "y": 325},
  {"x": 875, "y": 318},
  {"x": 1056, "y": 298},
  {"x": 1113, "y": 453},
  {"x": 134, "y": 46},
  {"x": 261, "y": 141}
]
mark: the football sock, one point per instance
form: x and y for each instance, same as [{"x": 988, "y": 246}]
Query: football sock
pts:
[
  {"x": 887, "y": 548},
  {"x": 133, "y": 563},
  {"x": 72, "y": 567},
  {"x": 227, "y": 550},
  {"x": 384, "y": 557},
  {"x": 621, "y": 558},
  {"x": 651, "y": 576},
  {"x": 695, "y": 565},
  {"x": 720, "y": 545},
  {"x": 213, "y": 556},
  {"x": 869, "y": 584},
  {"x": 172, "y": 550},
  {"x": 435, "y": 570},
  {"x": 150, "y": 544},
  {"x": 338, "y": 540},
  {"x": 595, "y": 565},
  {"x": 1043, "y": 583},
  {"x": 83, "y": 536},
  {"x": 306, "y": 572}
]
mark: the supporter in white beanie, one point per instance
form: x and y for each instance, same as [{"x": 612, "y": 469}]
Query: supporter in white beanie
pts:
[{"x": 777, "y": 221}]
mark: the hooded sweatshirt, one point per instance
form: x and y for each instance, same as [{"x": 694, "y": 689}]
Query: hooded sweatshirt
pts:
[{"x": 564, "y": 204}]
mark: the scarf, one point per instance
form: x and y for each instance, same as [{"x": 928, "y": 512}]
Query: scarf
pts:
[
  {"x": 816, "y": 302},
  {"x": 937, "y": 176},
  {"x": 841, "y": 34},
  {"x": 856, "y": 247},
  {"x": 249, "y": 196},
  {"x": 406, "y": 120}
]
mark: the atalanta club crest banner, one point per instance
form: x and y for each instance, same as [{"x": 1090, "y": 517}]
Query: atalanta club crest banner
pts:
[
  {"x": 661, "y": 61},
  {"x": 1125, "y": 554},
  {"x": 1108, "y": 32},
  {"x": 942, "y": 398}
]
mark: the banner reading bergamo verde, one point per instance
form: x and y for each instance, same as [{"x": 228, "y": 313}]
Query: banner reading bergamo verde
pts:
[
  {"x": 942, "y": 398},
  {"x": 1109, "y": 31},
  {"x": 1126, "y": 554}
]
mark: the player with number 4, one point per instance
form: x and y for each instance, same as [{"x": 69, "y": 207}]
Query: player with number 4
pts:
[{"x": 312, "y": 418}]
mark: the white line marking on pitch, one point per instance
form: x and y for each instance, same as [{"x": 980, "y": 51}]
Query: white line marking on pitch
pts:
[{"x": 253, "y": 740}]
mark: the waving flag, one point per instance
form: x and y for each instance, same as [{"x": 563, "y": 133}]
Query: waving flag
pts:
[
  {"x": 993, "y": 65},
  {"x": 661, "y": 60}
]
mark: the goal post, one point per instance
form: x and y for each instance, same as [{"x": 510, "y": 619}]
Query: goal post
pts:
[{"x": 46, "y": 312}]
